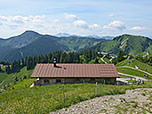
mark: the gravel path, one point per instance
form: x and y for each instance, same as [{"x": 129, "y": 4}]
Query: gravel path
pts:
[
  {"x": 137, "y": 78},
  {"x": 103, "y": 60},
  {"x": 134, "y": 101}
]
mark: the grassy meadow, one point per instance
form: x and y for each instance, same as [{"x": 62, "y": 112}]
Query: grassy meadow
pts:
[
  {"x": 3, "y": 76},
  {"x": 131, "y": 72},
  {"x": 19, "y": 98},
  {"x": 141, "y": 65},
  {"x": 10, "y": 78},
  {"x": 44, "y": 99}
]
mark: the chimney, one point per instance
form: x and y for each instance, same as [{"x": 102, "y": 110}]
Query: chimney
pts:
[{"x": 54, "y": 61}]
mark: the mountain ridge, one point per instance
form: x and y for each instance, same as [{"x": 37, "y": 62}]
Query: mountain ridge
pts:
[
  {"x": 31, "y": 43},
  {"x": 131, "y": 44}
]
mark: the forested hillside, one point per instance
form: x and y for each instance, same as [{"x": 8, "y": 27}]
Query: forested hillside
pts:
[{"x": 31, "y": 43}]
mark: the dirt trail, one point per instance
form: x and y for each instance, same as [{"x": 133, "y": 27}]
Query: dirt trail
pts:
[{"x": 134, "y": 101}]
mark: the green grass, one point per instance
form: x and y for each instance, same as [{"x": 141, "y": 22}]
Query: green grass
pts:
[
  {"x": 3, "y": 76},
  {"x": 106, "y": 60},
  {"x": 11, "y": 77},
  {"x": 23, "y": 72},
  {"x": 92, "y": 61},
  {"x": 122, "y": 63},
  {"x": 45, "y": 99},
  {"x": 122, "y": 76},
  {"x": 130, "y": 80},
  {"x": 131, "y": 72},
  {"x": 3, "y": 68},
  {"x": 26, "y": 83},
  {"x": 141, "y": 65},
  {"x": 100, "y": 61}
]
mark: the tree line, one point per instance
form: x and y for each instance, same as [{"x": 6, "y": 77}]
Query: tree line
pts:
[
  {"x": 61, "y": 57},
  {"x": 146, "y": 59}
]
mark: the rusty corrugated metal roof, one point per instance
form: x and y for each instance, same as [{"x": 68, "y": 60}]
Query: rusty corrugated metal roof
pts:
[{"x": 75, "y": 70}]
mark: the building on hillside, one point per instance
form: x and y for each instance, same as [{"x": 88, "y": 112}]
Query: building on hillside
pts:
[
  {"x": 1, "y": 65},
  {"x": 103, "y": 53},
  {"x": 74, "y": 73}
]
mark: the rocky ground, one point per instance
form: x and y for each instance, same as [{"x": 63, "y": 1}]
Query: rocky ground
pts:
[{"x": 138, "y": 101}]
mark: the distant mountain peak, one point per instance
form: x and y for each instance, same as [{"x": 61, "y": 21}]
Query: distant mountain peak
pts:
[
  {"x": 30, "y": 32},
  {"x": 63, "y": 35}
]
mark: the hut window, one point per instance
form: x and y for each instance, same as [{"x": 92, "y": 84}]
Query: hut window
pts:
[
  {"x": 92, "y": 79},
  {"x": 58, "y": 80},
  {"x": 46, "y": 81}
]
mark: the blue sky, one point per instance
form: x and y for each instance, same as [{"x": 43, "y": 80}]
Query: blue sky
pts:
[{"x": 80, "y": 17}]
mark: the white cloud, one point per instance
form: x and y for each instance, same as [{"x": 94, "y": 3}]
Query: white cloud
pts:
[
  {"x": 80, "y": 23},
  {"x": 14, "y": 25},
  {"x": 111, "y": 15},
  {"x": 70, "y": 16},
  {"x": 21, "y": 20},
  {"x": 115, "y": 25},
  {"x": 55, "y": 21},
  {"x": 137, "y": 28},
  {"x": 94, "y": 26},
  {"x": 85, "y": 25}
]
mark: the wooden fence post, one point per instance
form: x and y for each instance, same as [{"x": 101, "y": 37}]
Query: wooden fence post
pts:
[
  {"x": 96, "y": 88},
  {"x": 63, "y": 93},
  {"x": 117, "y": 86}
]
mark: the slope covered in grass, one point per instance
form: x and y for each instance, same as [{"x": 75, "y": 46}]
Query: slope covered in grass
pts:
[
  {"x": 133, "y": 63},
  {"x": 9, "y": 79},
  {"x": 26, "y": 83},
  {"x": 106, "y": 60},
  {"x": 3, "y": 76},
  {"x": 44, "y": 99},
  {"x": 131, "y": 44},
  {"x": 131, "y": 72},
  {"x": 79, "y": 43}
]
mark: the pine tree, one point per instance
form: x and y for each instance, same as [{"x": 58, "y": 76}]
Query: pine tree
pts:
[
  {"x": 96, "y": 60},
  {"x": 39, "y": 59},
  {"x": 30, "y": 63},
  {"x": 46, "y": 59},
  {"x": 1, "y": 69},
  {"x": 15, "y": 66},
  {"x": 26, "y": 59},
  {"x": 120, "y": 56},
  {"x": 23, "y": 62},
  {"x": 8, "y": 69},
  {"x": 49, "y": 57},
  {"x": 35, "y": 60},
  {"x": 42, "y": 60},
  {"x": 19, "y": 65}
]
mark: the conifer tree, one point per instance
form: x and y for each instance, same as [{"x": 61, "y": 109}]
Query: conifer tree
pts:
[
  {"x": 49, "y": 57},
  {"x": 23, "y": 62},
  {"x": 30, "y": 63},
  {"x": 120, "y": 56},
  {"x": 8, "y": 69},
  {"x": 1, "y": 69}
]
